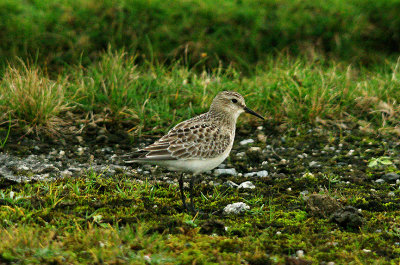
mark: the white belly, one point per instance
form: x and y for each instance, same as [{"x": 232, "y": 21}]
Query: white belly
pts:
[{"x": 195, "y": 166}]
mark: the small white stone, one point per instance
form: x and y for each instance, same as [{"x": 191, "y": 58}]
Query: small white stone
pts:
[
  {"x": 241, "y": 155},
  {"x": 366, "y": 250},
  {"x": 250, "y": 174},
  {"x": 255, "y": 149},
  {"x": 304, "y": 192},
  {"x": 65, "y": 173},
  {"x": 147, "y": 258},
  {"x": 300, "y": 253},
  {"x": 391, "y": 194},
  {"x": 23, "y": 167},
  {"x": 278, "y": 233},
  {"x": 289, "y": 189},
  {"x": 80, "y": 151},
  {"x": 262, "y": 174},
  {"x": 231, "y": 184},
  {"x": 247, "y": 141},
  {"x": 247, "y": 185},
  {"x": 314, "y": 164},
  {"x": 227, "y": 171},
  {"x": 236, "y": 208}
]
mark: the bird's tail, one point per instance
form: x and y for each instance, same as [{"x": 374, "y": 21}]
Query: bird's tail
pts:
[{"x": 135, "y": 157}]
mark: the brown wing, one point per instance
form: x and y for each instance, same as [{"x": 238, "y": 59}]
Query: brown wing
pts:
[{"x": 187, "y": 140}]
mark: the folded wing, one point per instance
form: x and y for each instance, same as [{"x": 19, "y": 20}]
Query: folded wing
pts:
[{"x": 187, "y": 140}]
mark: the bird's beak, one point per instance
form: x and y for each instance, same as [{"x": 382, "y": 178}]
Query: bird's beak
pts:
[{"x": 246, "y": 109}]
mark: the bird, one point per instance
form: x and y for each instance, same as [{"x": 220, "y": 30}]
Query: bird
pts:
[{"x": 198, "y": 144}]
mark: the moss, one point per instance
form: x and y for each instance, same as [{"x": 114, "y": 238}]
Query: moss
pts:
[{"x": 110, "y": 220}]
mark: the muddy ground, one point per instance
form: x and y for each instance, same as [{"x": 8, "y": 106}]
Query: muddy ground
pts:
[{"x": 345, "y": 177}]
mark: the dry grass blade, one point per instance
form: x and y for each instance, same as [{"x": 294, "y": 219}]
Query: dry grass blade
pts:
[{"x": 34, "y": 100}]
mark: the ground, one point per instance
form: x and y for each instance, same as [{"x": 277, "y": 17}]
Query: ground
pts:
[{"x": 330, "y": 196}]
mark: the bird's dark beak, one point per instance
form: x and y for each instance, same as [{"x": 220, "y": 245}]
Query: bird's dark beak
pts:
[{"x": 246, "y": 109}]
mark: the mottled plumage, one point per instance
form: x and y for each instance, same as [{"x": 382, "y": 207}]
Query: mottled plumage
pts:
[
  {"x": 200, "y": 143},
  {"x": 207, "y": 137}
]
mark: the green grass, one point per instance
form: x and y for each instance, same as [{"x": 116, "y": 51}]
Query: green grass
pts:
[
  {"x": 230, "y": 31},
  {"x": 96, "y": 219},
  {"x": 151, "y": 95}
]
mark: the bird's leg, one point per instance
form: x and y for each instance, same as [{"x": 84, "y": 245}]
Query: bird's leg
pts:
[
  {"x": 182, "y": 192},
  {"x": 191, "y": 184}
]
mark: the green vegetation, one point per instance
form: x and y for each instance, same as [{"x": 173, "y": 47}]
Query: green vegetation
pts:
[
  {"x": 119, "y": 220},
  {"x": 138, "y": 67},
  {"x": 205, "y": 32},
  {"x": 293, "y": 91}
]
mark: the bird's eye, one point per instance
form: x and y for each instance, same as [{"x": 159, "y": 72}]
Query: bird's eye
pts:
[{"x": 234, "y": 100}]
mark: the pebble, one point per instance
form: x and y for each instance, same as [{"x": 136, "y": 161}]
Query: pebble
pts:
[
  {"x": 391, "y": 194},
  {"x": 283, "y": 162},
  {"x": 255, "y": 149},
  {"x": 261, "y": 138},
  {"x": 65, "y": 173},
  {"x": 331, "y": 263},
  {"x": 236, "y": 208},
  {"x": 262, "y": 173},
  {"x": 147, "y": 258},
  {"x": 366, "y": 250},
  {"x": 231, "y": 184},
  {"x": 247, "y": 141},
  {"x": 300, "y": 253},
  {"x": 304, "y": 192},
  {"x": 247, "y": 185},
  {"x": 80, "y": 151},
  {"x": 379, "y": 181},
  {"x": 225, "y": 171},
  {"x": 314, "y": 164},
  {"x": 250, "y": 174},
  {"x": 279, "y": 233},
  {"x": 391, "y": 177},
  {"x": 241, "y": 155}
]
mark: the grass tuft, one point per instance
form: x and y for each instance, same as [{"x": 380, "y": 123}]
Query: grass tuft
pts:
[{"x": 33, "y": 100}]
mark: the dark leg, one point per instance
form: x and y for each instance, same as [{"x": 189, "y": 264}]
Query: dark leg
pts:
[
  {"x": 182, "y": 193},
  {"x": 191, "y": 184}
]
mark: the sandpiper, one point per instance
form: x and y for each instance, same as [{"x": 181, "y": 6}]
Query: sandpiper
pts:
[{"x": 200, "y": 143}]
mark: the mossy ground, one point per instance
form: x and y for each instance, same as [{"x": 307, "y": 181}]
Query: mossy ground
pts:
[{"x": 140, "y": 220}]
